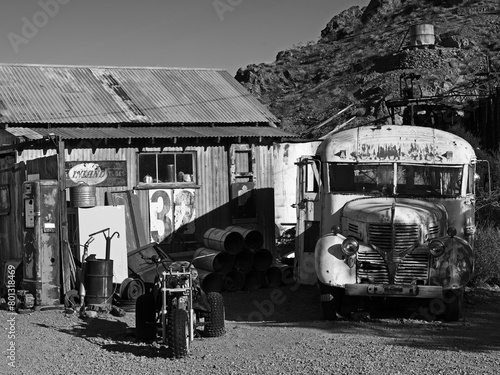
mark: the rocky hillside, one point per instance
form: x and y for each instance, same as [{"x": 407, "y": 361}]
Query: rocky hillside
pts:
[{"x": 361, "y": 54}]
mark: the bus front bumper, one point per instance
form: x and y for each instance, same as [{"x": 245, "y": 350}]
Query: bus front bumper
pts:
[{"x": 394, "y": 290}]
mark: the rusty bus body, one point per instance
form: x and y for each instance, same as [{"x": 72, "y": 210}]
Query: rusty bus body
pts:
[{"x": 387, "y": 211}]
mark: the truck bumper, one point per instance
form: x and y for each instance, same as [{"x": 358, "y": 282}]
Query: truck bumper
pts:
[{"x": 394, "y": 290}]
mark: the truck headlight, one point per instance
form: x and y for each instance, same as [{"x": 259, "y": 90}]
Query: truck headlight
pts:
[
  {"x": 452, "y": 232},
  {"x": 436, "y": 248},
  {"x": 350, "y": 246}
]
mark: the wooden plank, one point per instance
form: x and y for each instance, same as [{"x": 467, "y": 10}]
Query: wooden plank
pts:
[
  {"x": 64, "y": 246},
  {"x": 136, "y": 236}
]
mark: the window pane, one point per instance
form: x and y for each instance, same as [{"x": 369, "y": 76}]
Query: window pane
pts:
[
  {"x": 184, "y": 171},
  {"x": 166, "y": 168},
  {"x": 243, "y": 162},
  {"x": 147, "y": 166},
  {"x": 359, "y": 178},
  {"x": 429, "y": 181}
]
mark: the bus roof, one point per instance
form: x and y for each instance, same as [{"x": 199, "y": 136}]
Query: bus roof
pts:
[{"x": 396, "y": 143}]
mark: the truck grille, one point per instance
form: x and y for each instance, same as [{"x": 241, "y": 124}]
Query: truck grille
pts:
[
  {"x": 413, "y": 267},
  {"x": 373, "y": 269},
  {"x": 405, "y": 235}
]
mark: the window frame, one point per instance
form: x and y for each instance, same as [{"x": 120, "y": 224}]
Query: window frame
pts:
[{"x": 193, "y": 176}]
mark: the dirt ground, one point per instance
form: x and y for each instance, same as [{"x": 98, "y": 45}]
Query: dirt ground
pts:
[{"x": 269, "y": 331}]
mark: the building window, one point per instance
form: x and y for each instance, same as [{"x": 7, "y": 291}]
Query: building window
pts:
[{"x": 168, "y": 167}]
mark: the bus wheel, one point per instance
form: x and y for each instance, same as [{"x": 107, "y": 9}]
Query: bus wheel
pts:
[
  {"x": 453, "y": 301},
  {"x": 330, "y": 301}
]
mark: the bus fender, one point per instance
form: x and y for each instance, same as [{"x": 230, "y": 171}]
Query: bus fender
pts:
[{"x": 331, "y": 263}]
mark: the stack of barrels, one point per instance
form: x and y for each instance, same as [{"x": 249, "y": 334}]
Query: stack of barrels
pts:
[{"x": 233, "y": 259}]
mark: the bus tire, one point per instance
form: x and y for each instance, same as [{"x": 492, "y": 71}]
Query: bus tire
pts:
[
  {"x": 453, "y": 303},
  {"x": 330, "y": 301}
]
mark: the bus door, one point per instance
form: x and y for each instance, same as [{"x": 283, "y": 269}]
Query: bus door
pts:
[{"x": 308, "y": 209}]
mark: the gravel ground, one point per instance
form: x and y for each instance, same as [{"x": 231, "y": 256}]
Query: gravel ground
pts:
[{"x": 270, "y": 331}]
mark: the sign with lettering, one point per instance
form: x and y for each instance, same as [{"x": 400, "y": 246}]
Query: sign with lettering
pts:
[{"x": 98, "y": 173}]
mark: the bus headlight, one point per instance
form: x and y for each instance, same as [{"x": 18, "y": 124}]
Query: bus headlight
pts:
[
  {"x": 350, "y": 246},
  {"x": 452, "y": 232},
  {"x": 436, "y": 248}
]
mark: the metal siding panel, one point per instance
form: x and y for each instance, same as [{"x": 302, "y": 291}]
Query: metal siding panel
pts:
[{"x": 265, "y": 194}]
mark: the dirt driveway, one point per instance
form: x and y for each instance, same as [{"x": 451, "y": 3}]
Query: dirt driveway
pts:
[{"x": 270, "y": 331}]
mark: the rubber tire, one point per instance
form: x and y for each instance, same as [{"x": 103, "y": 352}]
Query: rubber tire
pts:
[
  {"x": 330, "y": 308},
  {"x": 178, "y": 333},
  {"x": 134, "y": 290},
  {"x": 215, "y": 326},
  {"x": 145, "y": 317},
  {"x": 453, "y": 304}
]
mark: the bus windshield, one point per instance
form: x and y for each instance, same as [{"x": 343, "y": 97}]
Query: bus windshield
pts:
[{"x": 395, "y": 179}]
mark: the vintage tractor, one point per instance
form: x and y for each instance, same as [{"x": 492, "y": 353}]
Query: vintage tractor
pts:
[{"x": 178, "y": 306}]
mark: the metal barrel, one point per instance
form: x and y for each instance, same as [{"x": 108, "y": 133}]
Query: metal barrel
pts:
[
  {"x": 286, "y": 272},
  {"x": 210, "y": 281},
  {"x": 98, "y": 281},
  {"x": 254, "y": 280},
  {"x": 213, "y": 260},
  {"x": 422, "y": 35},
  {"x": 82, "y": 195},
  {"x": 170, "y": 173},
  {"x": 262, "y": 259},
  {"x": 244, "y": 261},
  {"x": 223, "y": 240},
  {"x": 253, "y": 239},
  {"x": 273, "y": 277},
  {"x": 233, "y": 281}
]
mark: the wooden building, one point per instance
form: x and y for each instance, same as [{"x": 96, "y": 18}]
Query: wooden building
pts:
[{"x": 187, "y": 149}]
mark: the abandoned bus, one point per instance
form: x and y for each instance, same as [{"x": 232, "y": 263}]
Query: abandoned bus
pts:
[{"x": 387, "y": 211}]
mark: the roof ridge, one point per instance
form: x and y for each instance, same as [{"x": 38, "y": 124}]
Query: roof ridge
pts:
[{"x": 111, "y": 67}]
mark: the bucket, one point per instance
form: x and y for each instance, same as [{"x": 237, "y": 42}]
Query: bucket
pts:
[
  {"x": 213, "y": 260},
  {"x": 82, "y": 195},
  {"x": 253, "y": 238},
  {"x": 223, "y": 240},
  {"x": 98, "y": 281},
  {"x": 422, "y": 35}
]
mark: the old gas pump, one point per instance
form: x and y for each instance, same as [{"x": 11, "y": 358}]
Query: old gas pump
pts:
[{"x": 41, "y": 276}]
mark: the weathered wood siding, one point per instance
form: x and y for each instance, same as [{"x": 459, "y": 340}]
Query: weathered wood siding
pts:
[{"x": 212, "y": 194}]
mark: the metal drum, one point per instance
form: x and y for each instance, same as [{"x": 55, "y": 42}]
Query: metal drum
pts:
[
  {"x": 83, "y": 195},
  {"x": 218, "y": 239},
  {"x": 98, "y": 281}
]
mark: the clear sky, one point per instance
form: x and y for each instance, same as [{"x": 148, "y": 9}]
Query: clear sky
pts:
[{"x": 222, "y": 34}]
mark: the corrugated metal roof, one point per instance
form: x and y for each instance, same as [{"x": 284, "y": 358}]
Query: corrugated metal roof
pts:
[
  {"x": 31, "y": 94},
  {"x": 149, "y": 132}
]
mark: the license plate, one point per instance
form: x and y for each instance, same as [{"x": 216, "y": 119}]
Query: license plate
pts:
[{"x": 404, "y": 290}]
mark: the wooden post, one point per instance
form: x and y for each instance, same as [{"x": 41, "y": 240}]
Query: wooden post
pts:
[{"x": 63, "y": 220}]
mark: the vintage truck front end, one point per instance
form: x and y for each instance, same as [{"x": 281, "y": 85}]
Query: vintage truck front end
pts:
[{"x": 392, "y": 247}]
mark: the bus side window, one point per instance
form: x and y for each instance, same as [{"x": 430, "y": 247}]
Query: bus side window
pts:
[{"x": 341, "y": 177}]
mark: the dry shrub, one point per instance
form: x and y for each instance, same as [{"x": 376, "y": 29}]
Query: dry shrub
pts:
[{"x": 486, "y": 255}]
